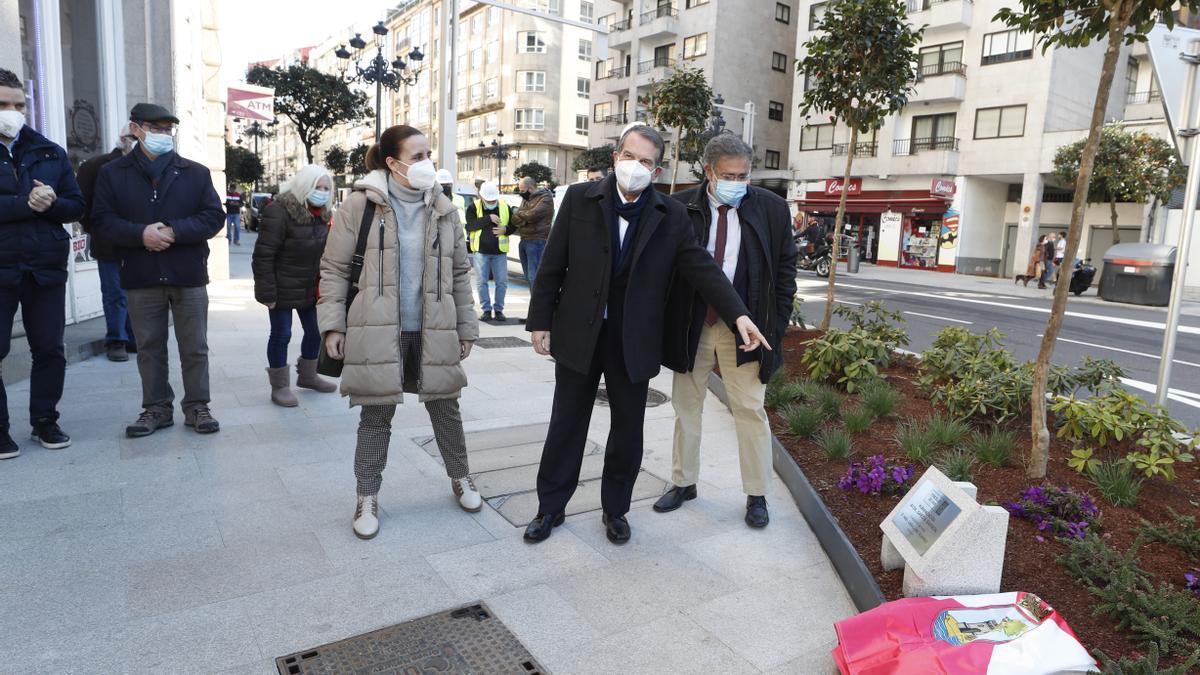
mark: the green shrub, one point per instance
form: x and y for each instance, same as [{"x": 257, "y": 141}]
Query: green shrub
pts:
[
  {"x": 858, "y": 420},
  {"x": 1181, "y": 534},
  {"x": 797, "y": 316},
  {"x": 916, "y": 443},
  {"x": 947, "y": 432},
  {"x": 830, "y": 401},
  {"x": 1146, "y": 664},
  {"x": 1117, "y": 415},
  {"x": 877, "y": 321},
  {"x": 958, "y": 464},
  {"x": 850, "y": 358},
  {"x": 994, "y": 447},
  {"x": 835, "y": 443},
  {"x": 802, "y": 420},
  {"x": 880, "y": 399},
  {"x": 1117, "y": 483},
  {"x": 782, "y": 394},
  {"x": 957, "y": 353}
]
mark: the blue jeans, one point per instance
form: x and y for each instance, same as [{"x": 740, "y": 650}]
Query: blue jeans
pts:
[
  {"x": 233, "y": 227},
  {"x": 531, "y": 258},
  {"x": 495, "y": 266},
  {"x": 118, "y": 327},
  {"x": 281, "y": 335}
]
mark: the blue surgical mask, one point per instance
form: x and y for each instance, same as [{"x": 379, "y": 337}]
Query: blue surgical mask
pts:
[
  {"x": 318, "y": 197},
  {"x": 159, "y": 144},
  {"x": 730, "y": 191}
]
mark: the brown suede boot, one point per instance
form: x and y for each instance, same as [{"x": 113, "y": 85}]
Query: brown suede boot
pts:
[
  {"x": 281, "y": 389},
  {"x": 307, "y": 378}
]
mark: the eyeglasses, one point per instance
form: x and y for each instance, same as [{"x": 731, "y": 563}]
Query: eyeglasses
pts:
[
  {"x": 129, "y": 138},
  {"x": 157, "y": 128},
  {"x": 645, "y": 161},
  {"x": 737, "y": 177}
]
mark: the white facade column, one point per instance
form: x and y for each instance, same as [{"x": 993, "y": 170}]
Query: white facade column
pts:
[
  {"x": 111, "y": 42},
  {"x": 10, "y": 27},
  {"x": 52, "y": 105},
  {"x": 1029, "y": 220}
]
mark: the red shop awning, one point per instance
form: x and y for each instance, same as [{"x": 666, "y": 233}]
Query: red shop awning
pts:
[{"x": 899, "y": 205}]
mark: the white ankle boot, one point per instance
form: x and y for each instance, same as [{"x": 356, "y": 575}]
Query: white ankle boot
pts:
[
  {"x": 468, "y": 496},
  {"x": 366, "y": 517}
]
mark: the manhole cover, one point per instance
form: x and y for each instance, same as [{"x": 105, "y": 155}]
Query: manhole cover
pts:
[
  {"x": 654, "y": 398},
  {"x": 507, "y": 342},
  {"x": 466, "y": 640}
]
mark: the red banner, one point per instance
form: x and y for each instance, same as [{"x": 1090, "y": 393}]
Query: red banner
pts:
[
  {"x": 251, "y": 102},
  {"x": 833, "y": 186},
  {"x": 943, "y": 187}
]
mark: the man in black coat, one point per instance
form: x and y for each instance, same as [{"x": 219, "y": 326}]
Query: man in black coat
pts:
[
  {"x": 748, "y": 231},
  {"x": 602, "y": 293},
  {"x": 38, "y": 195},
  {"x": 118, "y": 337},
  {"x": 160, "y": 210}
]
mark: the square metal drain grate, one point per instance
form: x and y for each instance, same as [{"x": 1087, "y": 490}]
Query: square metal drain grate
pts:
[
  {"x": 506, "y": 342},
  {"x": 465, "y": 640}
]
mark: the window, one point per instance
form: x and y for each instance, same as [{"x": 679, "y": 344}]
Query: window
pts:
[
  {"x": 694, "y": 46},
  {"x": 581, "y": 125},
  {"x": 476, "y": 93},
  {"x": 1131, "y": 77},
  {"x": 493, "y": 88},
  {"x": 940, "y": 59},
  {"x": 476, "y": 59},
  {"x": 602, "y": 111},
  {"x": 461, "y": 101},
  {"x": 664, "y": 55},
  {"x": 602, "y": 68},
  {"x": 1009, "y": 45},
  {"x": 587, "y": 11},
  {"x": 779, "y": 62},
  {"x": 530, "y": 119},
  {"x": 530, "y": 42},
  {"x": 694, "y": 3},
  {"x": 783, "y": 13},
  {"x": 933, "y": 132},
  {"x": 815, "y": 14},
  {"x": 494, "y": 16},
  {"x": 816, "y": 137},
  {"x": 583, "y": 87},
  {"x": 489, "y": 123},
  {"x": 1006, "y": 122},
  {"x": 775, "y": 111},
  {"x": 462, "y": 63},
  {"x": 493, "y": 52},
  {"x": 531, "y": 80},
  {"x": 476, "y": 127},
  {"x": 585, "y": 50},
  {"x": 771, "y": 160},
  {"x": 477, "y": 23}
]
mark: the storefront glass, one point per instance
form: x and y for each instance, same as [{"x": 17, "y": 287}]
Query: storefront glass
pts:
[{"x": 919, "y": 243}]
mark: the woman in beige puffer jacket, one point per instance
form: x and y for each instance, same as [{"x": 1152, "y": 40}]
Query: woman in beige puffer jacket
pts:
[{"x": 413, "y": 319}]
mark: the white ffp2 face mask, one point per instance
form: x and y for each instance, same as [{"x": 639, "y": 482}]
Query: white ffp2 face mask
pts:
[
  {"x": 11, "y": 122},
  {"x": 421, "y": 175},
  {"x": 632, "y": 176}
]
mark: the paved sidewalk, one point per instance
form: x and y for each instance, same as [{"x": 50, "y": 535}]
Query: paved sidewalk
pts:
[{"x": 182, "y": 553}]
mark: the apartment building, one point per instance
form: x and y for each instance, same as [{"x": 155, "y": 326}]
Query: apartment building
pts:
[
  {"x": 961, "y": 179},
  {"x": 746, "y": 49}
]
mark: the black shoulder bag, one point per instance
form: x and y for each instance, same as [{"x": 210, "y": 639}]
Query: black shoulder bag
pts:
[{"x": 326, "y": 364}]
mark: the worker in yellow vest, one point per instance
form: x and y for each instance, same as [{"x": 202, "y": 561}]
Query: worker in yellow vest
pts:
[
  {"x": 447, "y": 182},
  {"x": 488, "y": 229}
]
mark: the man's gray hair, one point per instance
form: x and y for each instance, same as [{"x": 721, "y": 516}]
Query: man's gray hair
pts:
[
  {"x": 726, "y": 145},
  {"x": 647, "y": 132}
]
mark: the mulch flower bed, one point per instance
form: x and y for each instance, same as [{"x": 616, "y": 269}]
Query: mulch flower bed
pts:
[{"x": 1030, "y": 555}]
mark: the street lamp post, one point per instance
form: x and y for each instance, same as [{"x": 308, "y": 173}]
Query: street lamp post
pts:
[
  {"x": 256, "y": 131},
  {"x": 501, "y": 151},
  {"x": 377, "y": 71}
]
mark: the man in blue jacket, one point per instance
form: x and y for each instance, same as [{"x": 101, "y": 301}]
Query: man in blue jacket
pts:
[
  {"x": 160, "y": 210},
  {"x": 38, "y": 195}
]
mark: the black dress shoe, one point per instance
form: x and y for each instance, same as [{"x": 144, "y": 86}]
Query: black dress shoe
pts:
[
  {"x": 542, "y": 526},
  {"x": 500, "y": 317},
  {"x": 51, "y": 436},
  {"x": 486, "y": 316},
  {"x": 674, "y": 498},
  {"x": 617, "y": 528},
  {"x": 756, "y": 511},
  {"x": 8, "y": 447}
]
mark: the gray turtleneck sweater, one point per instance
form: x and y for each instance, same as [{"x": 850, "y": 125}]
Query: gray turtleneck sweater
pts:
[{"x": 409, "y": 207}]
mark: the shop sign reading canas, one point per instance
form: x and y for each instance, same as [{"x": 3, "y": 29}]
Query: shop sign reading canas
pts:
[
  {"x": 833, "y": 186},
  {"x": 943, "y": 187}
]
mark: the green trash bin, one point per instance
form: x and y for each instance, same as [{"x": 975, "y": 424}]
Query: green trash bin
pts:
[{"x": 1138, "y": 274}]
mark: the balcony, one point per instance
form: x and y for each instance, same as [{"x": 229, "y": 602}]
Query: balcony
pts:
[
  {"x": 925, "y": 156},
  {"x": 861, "y": 150},
  {"x": 619, "y": 34},
  {"x": 654, "y": 69},
  {"x": 1144, "y": 105},
  {"x": 610, "y": 126},
  {"x": 617, "y": 80},
  {"x": 941, "y": 14},
  {"x": 659, "y": 22},
  {"x": 940, "y": 82}
]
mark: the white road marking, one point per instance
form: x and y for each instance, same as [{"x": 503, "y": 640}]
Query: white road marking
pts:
[
  {"x": 1156, "y": 357},
  {"x": 848, "y": 302},
  {"x": 940, "y": 318},
  {"x": 1184, "y": 397},
  {"x": 1192, "y": 330}
]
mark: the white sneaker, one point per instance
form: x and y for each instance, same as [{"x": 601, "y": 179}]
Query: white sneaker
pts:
[
  {"x": 366, "y": 517},
  {"x": 468, "y": 496}
]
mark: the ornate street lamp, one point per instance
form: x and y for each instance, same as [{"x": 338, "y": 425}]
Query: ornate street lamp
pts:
[
  {"x": 500, "y": 151},
  {"x": 377, "y": 71},
  {"x": 256, "y": 131}
]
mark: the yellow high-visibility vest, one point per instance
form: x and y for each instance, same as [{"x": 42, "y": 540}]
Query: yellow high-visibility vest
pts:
[{"x": 477, "y": 235}]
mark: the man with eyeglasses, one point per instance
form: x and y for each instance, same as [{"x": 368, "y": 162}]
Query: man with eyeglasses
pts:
[
  {"x": 160, "y": 210},
  {"x": 38, "y": 195},
  {"x": 747, "y": 230},
  {"x": 118, "y": 337},
  {"x": 602, "y": 294}
]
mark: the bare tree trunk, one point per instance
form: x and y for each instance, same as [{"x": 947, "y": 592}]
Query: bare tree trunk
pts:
[
  {"x": 1040, "y": 452},
  {"x": 1112, "y": 207},
  {"x": 837, "y": 228},
  {"x": 675, "y": 158}
]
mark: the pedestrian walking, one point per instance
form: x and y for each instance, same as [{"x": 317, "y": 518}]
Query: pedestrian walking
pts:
[
  {"x": 287, "y": 271},
  {"x": 412, "y": 320},
  {"x": 533, "y": 220},
  {"x": 595, "y": 174},
  {"x": 1060, "y": 252},
  {"x": 118, "y": 335},
  {"x": 748, "y": 232},
  {"x": 489, "y": 224},
  {"x": 233, "y": 215},
  {"x": 38, "y": 195},
  {"x": 1048, "y": 269},
  {"x": 1034, "y": 269},
  {"x": 602, "y": 294},
  {"x": 159, "y": 210}
]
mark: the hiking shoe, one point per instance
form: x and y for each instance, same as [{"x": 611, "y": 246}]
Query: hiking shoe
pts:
[
  {"x": 117, "y": 352},
  {"x": 366, "y": 517},
  {"x": 200, "y": 419},
  {"x": 51, "y": 436},
  {"x": 468, "y": 495},
  {"x": 8, "y": 447},
  {"x": 149, "y": 422}
]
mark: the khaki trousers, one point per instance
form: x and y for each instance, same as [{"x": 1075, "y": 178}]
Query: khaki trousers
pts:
[{"x": 746, "y": 395}]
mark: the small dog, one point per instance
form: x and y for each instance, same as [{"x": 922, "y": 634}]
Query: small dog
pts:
[{"x": 1024, "y": 278}]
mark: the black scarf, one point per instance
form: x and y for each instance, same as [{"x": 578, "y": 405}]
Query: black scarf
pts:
[
  {"x": 632, "y": 213},
  {"x": 153, "y": 169}
]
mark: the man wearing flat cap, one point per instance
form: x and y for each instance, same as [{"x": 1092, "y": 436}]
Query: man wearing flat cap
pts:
[{"x": 160, "y": 210}]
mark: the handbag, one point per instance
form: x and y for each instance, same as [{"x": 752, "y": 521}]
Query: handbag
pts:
[{"x": 326, "y": 364}]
